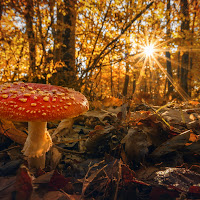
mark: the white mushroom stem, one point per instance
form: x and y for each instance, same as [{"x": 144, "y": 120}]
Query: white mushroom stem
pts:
[{"x": 37, "y": 144}]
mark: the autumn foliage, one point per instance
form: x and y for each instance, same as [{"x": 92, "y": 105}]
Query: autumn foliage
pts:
[{"x": 96, "y": 46}]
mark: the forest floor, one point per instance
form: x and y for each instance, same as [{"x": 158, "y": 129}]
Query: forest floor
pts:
[{"x": 141, "y": 152}]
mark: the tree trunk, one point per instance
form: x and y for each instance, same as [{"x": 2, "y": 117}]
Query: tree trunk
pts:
[
  {"x": 125, "y": 89},
  {"x": 191, "y": 44},
  {"x": 134, "y": 83},
  {"x": 31, "y": 40},
  {"x": 1, "y": 9},
  {"x": 68, "y": 48},
  {"x": 111, "y": 80},
  {"x": 126, "y": 80},
  {"x": 64, "y": 50},
  {"x": 168, "y": 55},
  {"x": 179, "y": 66},
  {"x": 185, "y": 56}
]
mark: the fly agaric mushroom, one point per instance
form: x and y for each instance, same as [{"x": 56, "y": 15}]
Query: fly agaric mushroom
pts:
[{"x": 37, "y": 104}]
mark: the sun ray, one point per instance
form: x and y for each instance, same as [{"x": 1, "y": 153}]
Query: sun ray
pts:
[
  {"x": 177, "y": 87},
  {"x": 151, "y": 48},
  {"x": 165, "y": 58},
  {"x": 140, "y": 75}
]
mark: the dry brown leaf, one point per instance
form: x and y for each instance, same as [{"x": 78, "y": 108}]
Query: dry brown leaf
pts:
[
  {"x": 7, "y": 186},
  {"x": 64, "y": 127},
  {"x": 89, "y": 178},
  {"x": 24, "y": 187},
  {"x": 55, "y": 157},
  {"x": 194, "y": 103},
  {"x": 193, "y": 138},
  {"x": 45, "y": 178},
  {"x": 8, "y": 129},
  {"x": 54, "y": 195}
]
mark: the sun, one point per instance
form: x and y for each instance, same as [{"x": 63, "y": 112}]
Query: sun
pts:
[{"x": 149, "y": 50}]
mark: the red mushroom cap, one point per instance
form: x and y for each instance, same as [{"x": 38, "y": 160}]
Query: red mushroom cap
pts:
[{"x": 40, "y": 102}]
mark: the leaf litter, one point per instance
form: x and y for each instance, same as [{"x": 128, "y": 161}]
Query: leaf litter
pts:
[{"x": 146, "y": 152}]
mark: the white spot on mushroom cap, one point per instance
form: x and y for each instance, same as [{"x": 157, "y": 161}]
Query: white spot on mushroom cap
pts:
[
  {"x": 27, "y": 94},
  {"x": 14, "y": 91},
  {"x": 46, "y": 98},
  {"x": 5, "y": 96},
  {"x": 30, "y": 88},
  {"x": 23, "y": 100},
  {"x": 14, "y": 96}
]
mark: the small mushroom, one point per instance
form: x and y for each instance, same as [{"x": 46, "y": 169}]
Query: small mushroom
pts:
[{"x": 37, "y": 104}]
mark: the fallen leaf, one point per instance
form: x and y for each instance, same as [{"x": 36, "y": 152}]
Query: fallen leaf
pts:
[
  {"x": 158, "y": 193},
  {"x": 98, "y": 127},
  {"x": 8, "y": 129},
  {"x": 58, "y": 181},
  {"x": 45, "y": 178},
  {"x": 193, "y": 138},
  {"x": 51, "y": 195},
  {"x": 194, "y": 103},
  {"x": 194, "y": 189},
  {"x": 10, "y": 168},
  {"x": 55, "y": 157},
  {"x": 173, "y": 144},
  {"x": 7, "y": 186},
  {"x": 64, "y": 127},
  {"x": 180, "y": 179},
  {"x": 23, "y": 184},
  {"x": 89, "y": 178}
]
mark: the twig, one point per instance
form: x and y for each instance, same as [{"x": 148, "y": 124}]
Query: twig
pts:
[
  {"x": 69, "y": 151},
  {"x": 114, "y": 41},
  {"x": 118, "y": 181},
  {"x": 68, "y": 196},
  {"x": 9, "y": 149}
]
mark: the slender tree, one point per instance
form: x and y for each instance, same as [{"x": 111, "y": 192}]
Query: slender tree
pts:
[
  {"x": 64, "y": 46},
  {"x": 185, "y": 56},
  {"x": 168, "y": 55},
  {"x": 28, "y": 15}
]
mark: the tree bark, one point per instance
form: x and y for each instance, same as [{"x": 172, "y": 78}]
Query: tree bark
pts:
[
  {"x": 126, "y": 80},
  {"x": 168, "y": 55},
  {"x": 134, "y": 83},
  {"x": 1, "y": 9},
  {"x": 29, "y": 12},
  {"x": 179, "y": 66},
  {"x": 191, "y": 44},
  {"x": 185, "y": 56},
  {"x": 64, "y": 50},
  {"x": 125, "y": 89},
  {"x": 111, "y": 80}
]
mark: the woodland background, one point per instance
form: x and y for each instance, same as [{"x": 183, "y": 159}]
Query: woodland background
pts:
[{"x": 97, "y": 46}]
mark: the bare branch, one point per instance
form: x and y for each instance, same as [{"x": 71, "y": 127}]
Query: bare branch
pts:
[
  {"x": 104, "y": 19},
  {"x": 115, "y": 40}
]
